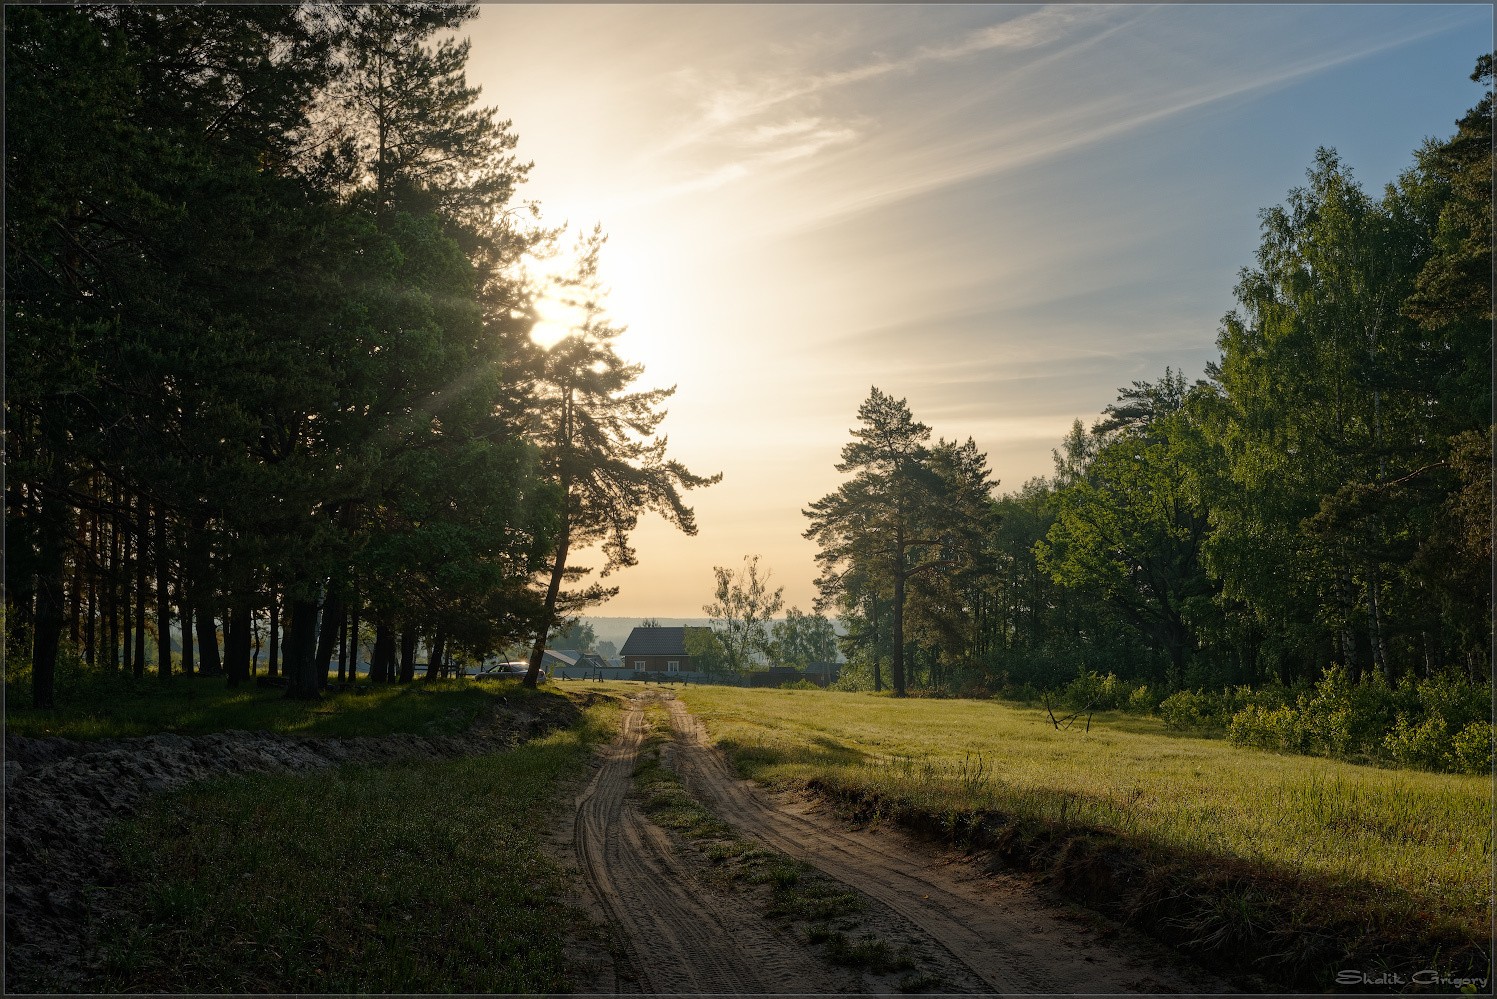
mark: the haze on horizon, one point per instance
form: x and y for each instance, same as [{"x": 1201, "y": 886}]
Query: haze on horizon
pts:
[{"x": 1001, "y": 213}]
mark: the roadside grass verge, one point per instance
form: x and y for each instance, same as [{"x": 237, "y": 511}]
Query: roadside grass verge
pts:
[
  {"x": 420, "y": 877},
  {"x": 823, "y": 911},
  {"x": 1285, "y": 868},
  {"x": 120, "y": 706}
]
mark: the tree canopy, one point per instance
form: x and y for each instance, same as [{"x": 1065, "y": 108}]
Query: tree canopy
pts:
[{"x": 267, "y": 351}]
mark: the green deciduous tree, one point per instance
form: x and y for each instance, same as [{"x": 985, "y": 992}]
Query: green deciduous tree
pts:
[
  {"x": 705, "y": 648},
  {"x": 802, "y": 639},
  {"x": 742, "y": 606},
  {"x": 1129, "y": 527}
]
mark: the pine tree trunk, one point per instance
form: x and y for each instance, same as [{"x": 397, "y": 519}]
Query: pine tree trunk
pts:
[
  {"x": 382, "y": 663},
  {"x": 189, "y": 664},
  {"x": 127, "y": 547},
  {"x": 237, "y": 643},
  {"x": 75, "y": 604},
  {"x": 1348, "y": 637},
  {"x": 274, "y": 667},
  {"x": 90, "y": 628},
  {"x": 257, "y": 642},
  {"x": 896, "y": 666},
  {"x": 408, "y": 654},
  {"x": 301, "y": 652},
  {"x": 142, "y": 597},
  {"x": 434, "y": 660},
  {"x": 342, "y": 648},
  {"x": 332, "y": 617},
  {"x": 163, "y": 603},
  {"x": 209, "y": 663},
  {"x": 353, "y": 641},
  {"x": 548, "y": 610},
  {"x": 53, "y": 528},
  {"x": 111, "y": 591}
]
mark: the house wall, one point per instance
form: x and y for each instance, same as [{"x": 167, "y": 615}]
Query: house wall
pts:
[{"x": 657, "y": 664}]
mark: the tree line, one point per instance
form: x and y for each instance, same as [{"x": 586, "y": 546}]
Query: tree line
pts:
[
  {"x": 1319, "y": 501},
  {"x": 268, "y": 355}
]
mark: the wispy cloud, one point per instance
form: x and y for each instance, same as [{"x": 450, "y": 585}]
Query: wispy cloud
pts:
[
  {"x": 731, "y": 115},
  {"x": 1027, "y": 141}
]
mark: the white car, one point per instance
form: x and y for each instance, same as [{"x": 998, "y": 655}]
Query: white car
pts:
[{"x": 502, "y": 671}]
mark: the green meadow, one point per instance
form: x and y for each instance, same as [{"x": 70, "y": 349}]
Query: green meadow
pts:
[{"x": 1379, "y": 847}]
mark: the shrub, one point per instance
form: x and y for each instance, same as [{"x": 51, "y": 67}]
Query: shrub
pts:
[
  {"x": 1454, "y": 698},
  {"x": 1419, "y": 745},
  {"x": 1142, "y": 701},
  {"x": 1471, "y": 749},
  {"x": 1281, "y": 729},
  {"x": 1091, "y": 691},
  {"x": 1186, "y": 710},
  {"x": 1203, "y": 710},
  {"x": 1439, "y": 723}
]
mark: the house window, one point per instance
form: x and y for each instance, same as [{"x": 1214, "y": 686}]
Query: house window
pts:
[
  {"x": 639, "y": 664},
  {"x": 673, "y": 666}
]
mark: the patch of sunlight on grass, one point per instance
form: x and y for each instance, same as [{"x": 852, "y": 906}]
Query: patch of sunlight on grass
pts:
[{"x": 122, "y": 707}]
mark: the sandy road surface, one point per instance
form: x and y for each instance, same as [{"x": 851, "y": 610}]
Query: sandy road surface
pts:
[{"x": 676, "y": 932}]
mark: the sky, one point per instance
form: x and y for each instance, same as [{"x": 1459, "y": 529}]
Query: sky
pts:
[{"x": 1000, "y": 213}]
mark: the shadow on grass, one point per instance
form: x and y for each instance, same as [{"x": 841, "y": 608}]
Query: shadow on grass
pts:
[{"x": 412, "y": 877}]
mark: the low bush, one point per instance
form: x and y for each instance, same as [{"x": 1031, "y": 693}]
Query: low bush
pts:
[
  {"x": 1091, "y": 691},
  {"x": 1438, "y": 723},
  {"x": 1213, "y": 711}
]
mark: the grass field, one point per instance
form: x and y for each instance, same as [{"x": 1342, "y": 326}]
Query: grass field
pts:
[
  {"x": 1380, "y": 848},
  {"x": 422, "y": 877},
  {"x": 119, "y": 706}
]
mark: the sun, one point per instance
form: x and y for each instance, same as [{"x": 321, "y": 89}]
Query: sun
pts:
[
  {"x": 557, "y": 320},
  {"x": 640, "y": 294}
]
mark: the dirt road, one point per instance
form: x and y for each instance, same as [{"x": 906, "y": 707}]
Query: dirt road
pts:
[{"x": 969, "y": 930}]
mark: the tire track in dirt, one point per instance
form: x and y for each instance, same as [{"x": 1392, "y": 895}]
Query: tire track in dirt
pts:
[
  {"x": 1002, "y": 932},
  {"x": 680, "y": 935}
]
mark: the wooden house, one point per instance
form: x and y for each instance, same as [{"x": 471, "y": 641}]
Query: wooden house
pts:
[{"x": 657, "y": 650}]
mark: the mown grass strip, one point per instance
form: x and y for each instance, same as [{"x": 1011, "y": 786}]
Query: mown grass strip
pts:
[
  {"x": 824, "y": 911},
  {"x": 123, "y": 707},
  {"x": 415, "y": 878},
  {"x": 1288, "y": 868}
]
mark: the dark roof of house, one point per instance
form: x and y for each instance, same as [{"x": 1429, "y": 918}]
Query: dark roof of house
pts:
[{"x": 655, "y": 642}]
